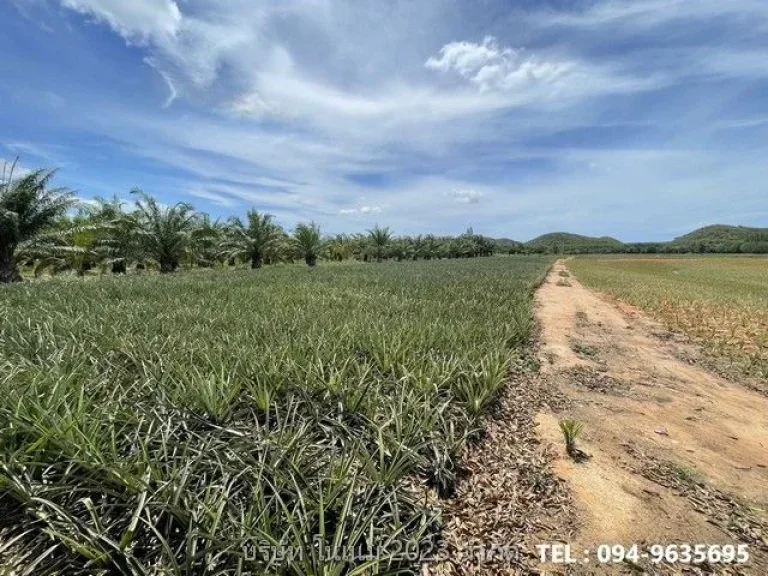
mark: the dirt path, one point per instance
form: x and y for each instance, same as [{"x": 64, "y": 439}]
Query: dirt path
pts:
[{"x": 679, "y": 455}]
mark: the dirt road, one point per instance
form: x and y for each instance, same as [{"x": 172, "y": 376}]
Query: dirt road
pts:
[{"x": 678, "y": 455}]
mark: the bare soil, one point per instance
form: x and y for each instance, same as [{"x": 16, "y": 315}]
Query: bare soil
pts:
[{"x": 678, "y": 454}]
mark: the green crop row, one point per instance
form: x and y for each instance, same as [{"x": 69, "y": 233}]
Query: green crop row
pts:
[{"x": 203, "y": 423}]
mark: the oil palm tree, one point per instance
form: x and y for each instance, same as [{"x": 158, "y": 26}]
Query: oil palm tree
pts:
[
  {"x": 165, "y": 232},
  {"x": 71, "y": 244},
  {"x": 380, "y": 239},
  {"x": 307, "y": 242},
  {"x": 402, "y": 249},
  {"x": 338, "y": 248},
  {"x": 86, "y": 240},
  {"x": 120, "y": 244},
  {"x": 252, "y": 242},
  {"x": 28, "y": 205},
  {"x": 206, "y": 238},
  {"x": 431, "y": 247}
]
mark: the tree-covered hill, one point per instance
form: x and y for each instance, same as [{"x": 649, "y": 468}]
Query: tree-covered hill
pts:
[
  {"x": 718, "y": 238},
  {"x": 565, "y": 243},
  {"x": 722, "y": 238}
]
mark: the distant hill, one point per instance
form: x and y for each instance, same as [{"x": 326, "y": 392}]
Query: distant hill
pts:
[
  {"x": 722, "y": 238},
  {"x": 565, "y": 243},
  {"x": 716, "y": 238},
  {"x": 507, "y": 245}
]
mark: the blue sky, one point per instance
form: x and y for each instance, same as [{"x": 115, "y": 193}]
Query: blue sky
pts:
[{"x": 641, "y": 119}]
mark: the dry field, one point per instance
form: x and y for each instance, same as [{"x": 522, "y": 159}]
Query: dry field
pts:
[
  {"x": 721, "y": 303},
  {"x": 669, "y": 453}
]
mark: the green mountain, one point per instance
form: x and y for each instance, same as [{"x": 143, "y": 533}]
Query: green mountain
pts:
[
  {"x": 722, "y": 238},
  {"x": 717, "y": 238},
  {"x": 509, "y": 246},
  {"x": 565, "y": 243}
]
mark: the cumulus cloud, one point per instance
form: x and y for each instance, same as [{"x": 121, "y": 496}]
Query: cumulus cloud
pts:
[
  {"x": 490, "y": 66},
  {"x": 507, "y": 78},
  {"x": 466, "y": 196}
]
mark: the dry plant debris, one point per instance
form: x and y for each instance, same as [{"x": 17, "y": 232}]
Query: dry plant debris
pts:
[
  {"x": 509, "y": 495},
  {"x": 724, "y": 510},
  {"x": 596, "y": 381}
]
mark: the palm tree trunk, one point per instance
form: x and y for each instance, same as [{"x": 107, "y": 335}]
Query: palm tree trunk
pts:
[
  {"x": 167, "y": 267},
  {"x": 256, "y": 260},
  {"x": 311, "y": 260},
  {"x": 9, "y": 272},
  {"x": 119, "y": 267}
]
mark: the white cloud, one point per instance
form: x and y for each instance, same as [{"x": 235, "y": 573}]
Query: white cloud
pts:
[
  {"x": 133, "y": 19},
  {"x": 283, "y": 99},
  {"x": 744, "y": 123},
  {"x": 645, "y": 13},
  {"x": 251, "y": 105},
  {"x": 507, "y": 77},
  {"x": 30, "y": 149},
  {"x": 733, "y": 64},
  {"x": 213, "y": 197},
  {"x": 362, "y": 210},
  {"x": 275, "y": 77},
  {"x": 466, "y": 196},
  {"x": 492, "y": 67},
  {"x": 10, "y": 168},
  {"x": 87, "y": 201},
  {"x": 172, "y": 92}
]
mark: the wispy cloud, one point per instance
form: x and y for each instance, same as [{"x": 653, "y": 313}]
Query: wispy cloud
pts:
[
  {"x": 512, "y": 116},
  {"x": 646, "y": 13},
  {"x": 218, "y": 199},
  {"x": 135, "y": 20},
  {"x": 362, "y": 210},
  {"x": 172, "y": 92}
]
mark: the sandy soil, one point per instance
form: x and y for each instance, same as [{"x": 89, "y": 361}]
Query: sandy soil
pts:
[{"x": 636, "y": 397}]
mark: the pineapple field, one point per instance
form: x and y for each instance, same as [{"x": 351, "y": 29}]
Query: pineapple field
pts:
[{"x": 246, "y": 422}]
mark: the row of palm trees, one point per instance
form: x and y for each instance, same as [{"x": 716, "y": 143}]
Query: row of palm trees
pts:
[
  {"x": 379, "y": 244},
  {"x": 47, "y": 229}
]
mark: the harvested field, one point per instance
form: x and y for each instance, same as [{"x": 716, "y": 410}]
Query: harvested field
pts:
[{"x": 720, "y": 303}]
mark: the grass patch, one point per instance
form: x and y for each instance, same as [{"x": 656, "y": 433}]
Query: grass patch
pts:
[
  {"x": 207, "y": 422},
  {"x": 687, "y": 475},
  {"x": 584, "y": 349}
]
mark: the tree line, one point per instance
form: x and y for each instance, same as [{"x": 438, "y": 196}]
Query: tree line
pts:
[{"x": 46, "y": 229}]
